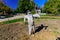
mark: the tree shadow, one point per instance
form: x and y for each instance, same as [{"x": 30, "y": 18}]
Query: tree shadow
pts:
[
  {"x": 58, "y": 38},
  {"x": 39, "y": 28}
]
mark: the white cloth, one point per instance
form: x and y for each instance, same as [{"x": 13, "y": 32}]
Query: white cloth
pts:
[{"x": 30, "y": 23}]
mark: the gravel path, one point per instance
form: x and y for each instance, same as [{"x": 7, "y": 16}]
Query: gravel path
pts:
[{"x": 11, "y": 18}]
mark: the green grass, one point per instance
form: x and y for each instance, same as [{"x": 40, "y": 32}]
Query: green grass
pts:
[
  {"x": 12, "y": 21},
  {"x": 55, "y": 32},
  {"x": 21, "y": 19},
  {"x": 50, "y": 17}
]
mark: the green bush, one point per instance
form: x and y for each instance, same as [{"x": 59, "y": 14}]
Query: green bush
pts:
[{"x": 33, "y": 12}]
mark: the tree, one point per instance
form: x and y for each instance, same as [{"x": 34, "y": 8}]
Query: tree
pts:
[
  {"x": 24, "y": 5},
  {"x": 5, "y": 9},
  {"x": 52, "y": 6}
]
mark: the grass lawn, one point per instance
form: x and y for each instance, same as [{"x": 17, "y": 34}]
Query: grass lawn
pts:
[
  {"x": 12, "y": 21},
  {"x": 37, "y": 19}
]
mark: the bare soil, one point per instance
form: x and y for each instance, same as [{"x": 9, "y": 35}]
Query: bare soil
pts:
[{"x": 46, "y": 29}]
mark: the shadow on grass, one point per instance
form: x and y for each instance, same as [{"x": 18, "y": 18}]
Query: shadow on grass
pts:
[{"x": 39, "y": 28}]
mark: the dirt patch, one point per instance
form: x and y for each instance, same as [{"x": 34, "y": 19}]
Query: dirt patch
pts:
[
  {"x": 15, "y": 31},
  {"x": 43, "y": 35},
  {"x": 19, "y": 31}
]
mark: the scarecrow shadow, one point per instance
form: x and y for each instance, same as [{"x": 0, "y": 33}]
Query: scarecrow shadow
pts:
[
  {"x": 39, "y": 28},
  {"x": 58, "y": 38}
]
